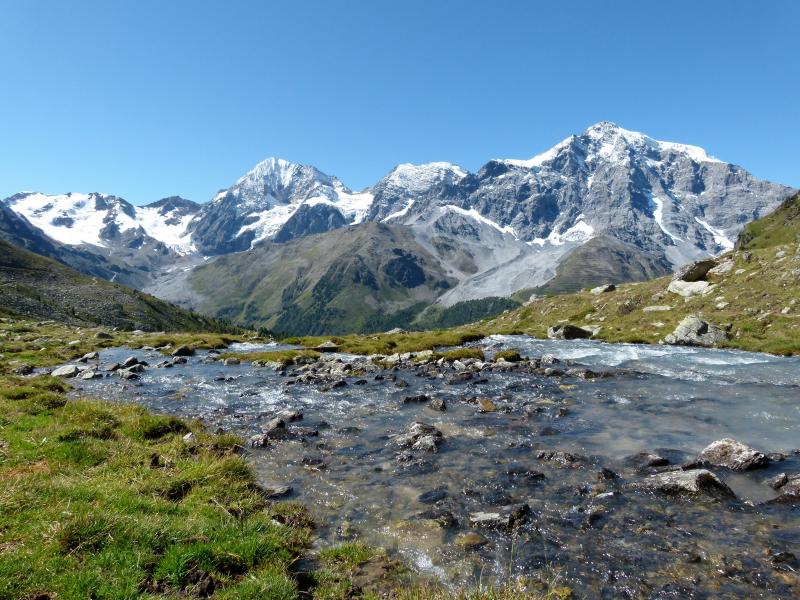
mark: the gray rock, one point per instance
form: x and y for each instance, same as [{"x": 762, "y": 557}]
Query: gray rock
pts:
[
  {"x": 503, "y": 518},
  {"x": 230, "y": 361},
  {"x": 695, "y": 271},
  {"x": 129, "y": 362},
  {"x": 602, "y": 289},
  {"x": 90, "y": 374},
  {"x": 420, "y": 436},
  {"x": 183, "y": 350},
  {"x": 568, "y": 332},
  {"x": 89, "y": 356},
  {"x": 778, "y": 481},
  {"x": 790, "y": 492},
  {"x": 102, "y": 335},
  {"x": 694, "y": 331},
  {"x": 688, "y": 289},
  {"x": 276, "y": 490},
  {"x": 695, "y": 483},
  {"x": 438, "y": 404},
  {"x": 730, "y": 454},
  {"x": 66, "y": 371}
]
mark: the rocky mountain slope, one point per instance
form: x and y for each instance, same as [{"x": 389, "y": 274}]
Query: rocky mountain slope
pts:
[
  {"x": 35, "y": 286},
  {"x": 779, "y": 227},
  {"x": 748, "y": 298},
  {"x": 365, "y": 278}
]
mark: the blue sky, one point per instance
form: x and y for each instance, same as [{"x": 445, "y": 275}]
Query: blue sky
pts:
[{"x": 148, "y": 99}]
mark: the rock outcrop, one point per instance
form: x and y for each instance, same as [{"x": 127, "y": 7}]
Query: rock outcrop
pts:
[{"x": 694, "y": 331}]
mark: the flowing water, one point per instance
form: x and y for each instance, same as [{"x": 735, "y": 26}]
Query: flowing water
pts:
[{"x": 586, "y": 527}]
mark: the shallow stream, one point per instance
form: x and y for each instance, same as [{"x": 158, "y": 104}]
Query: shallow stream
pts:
[{"x": 586, "y": 528}]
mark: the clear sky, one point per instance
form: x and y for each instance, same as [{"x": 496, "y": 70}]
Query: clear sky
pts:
[{"x": 146, "y": 99}]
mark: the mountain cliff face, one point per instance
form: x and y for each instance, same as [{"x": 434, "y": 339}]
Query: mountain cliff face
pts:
[
  {"x": 259, "y": 204},
  {"x": 605, "y": 195}
]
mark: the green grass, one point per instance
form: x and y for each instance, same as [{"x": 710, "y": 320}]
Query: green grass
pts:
[
  {"x": 780, "y": 227},
  {"x": 39, "y": 344},
  {"x": 102, "y": 500},
  {"x": 459, "y": 354},
  {"x": 284, "y": 357},
  {"x": 386, "y": 343},
  {"x": 756, "y": 293}
]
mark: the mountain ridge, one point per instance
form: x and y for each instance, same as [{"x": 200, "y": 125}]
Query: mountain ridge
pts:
[{"x": 510, "y": 226}]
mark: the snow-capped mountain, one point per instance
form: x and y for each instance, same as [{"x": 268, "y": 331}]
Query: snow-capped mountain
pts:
[
  {"x": 260, "y": 203},
  {"x": 672, "y": 202},
  {"x": 395, "y": 194},
  {"x": 107, "y": 221},
  {"x": 509, "y": 226},
  {"x": 650, "y": 193}
]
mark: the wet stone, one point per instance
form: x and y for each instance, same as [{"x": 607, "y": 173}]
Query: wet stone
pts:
[
  {"x": 432, "y": 496},
  {"x": 503, "y": 518},
  {"x": 438, "y": 404},
  {"x": 778, "y": 481},
  {"x": 695, "y": 483},
  {"x": 732, "y": 455},
  {"x": 470, "y": 540}
]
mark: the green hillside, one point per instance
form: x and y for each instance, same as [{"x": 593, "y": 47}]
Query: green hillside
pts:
[
  {"x": 35, "y": 286},
  {"x": 780, "y": 227}
]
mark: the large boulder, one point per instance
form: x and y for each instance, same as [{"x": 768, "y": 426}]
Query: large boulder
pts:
[
  {"x": 694, "y": 331},
  {"x": 183, "y": 350},
  {"x": 603, "y": 289},
  {"x": 732, "y": 455},
  {"x": 567, "y": 331},
  {"x": 695, "y": 483},
  {"x": 66, "y": 371},
  {"x": 695, "y": 271},
  {"x": 687, "y": 289}
]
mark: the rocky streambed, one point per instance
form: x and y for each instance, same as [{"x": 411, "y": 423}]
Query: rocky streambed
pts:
[{"x": 622, "y": 470}]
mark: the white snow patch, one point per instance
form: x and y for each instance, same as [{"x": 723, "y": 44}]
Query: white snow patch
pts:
[
  {"x": 420, "y": 178},
  {"x": 474, "y": 214},
  {"x": 581, "y": 231},
  {"x": 71, "y": 219},
  {"x": 399, "y": 213},
  {"x": 173, "y": 235},
  {"x": 658, "y": 215},
  {"x": 268, "y": 222},
  {"x": 720, "y": 239}
]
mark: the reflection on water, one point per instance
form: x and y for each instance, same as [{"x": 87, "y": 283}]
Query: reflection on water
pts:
[{"x": 606, "y": 540}]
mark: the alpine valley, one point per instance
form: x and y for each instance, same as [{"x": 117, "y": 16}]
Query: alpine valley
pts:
[{"x": 293, "y": 249}]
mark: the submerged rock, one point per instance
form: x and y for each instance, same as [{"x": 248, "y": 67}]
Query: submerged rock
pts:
[
  {"x": 694, "y": 331},
  {"x": 470, "y": 540},
  {"x": 730, "y": 454},
  {"x": 694, "y": 483}
]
